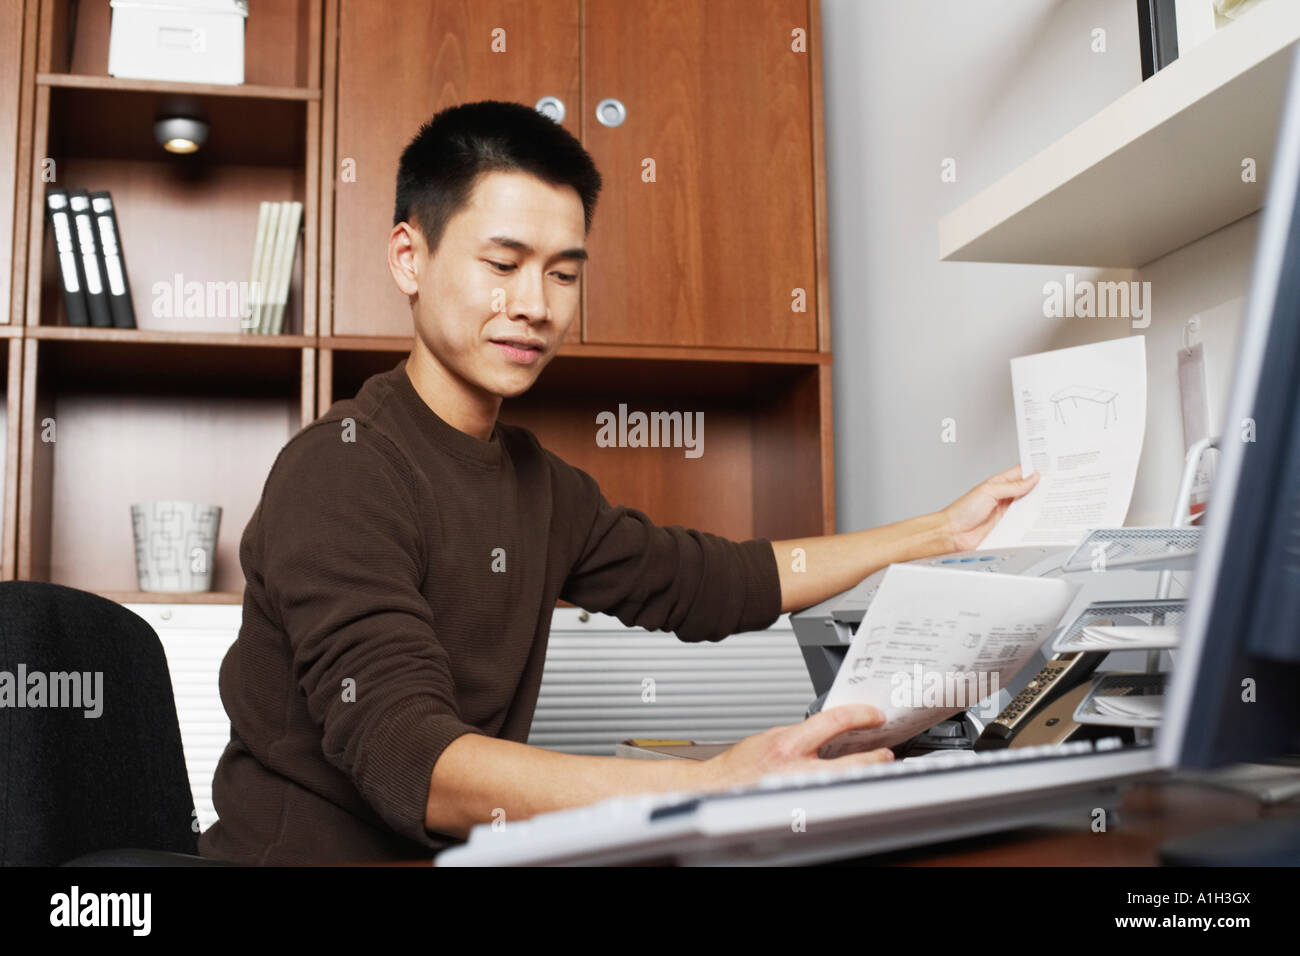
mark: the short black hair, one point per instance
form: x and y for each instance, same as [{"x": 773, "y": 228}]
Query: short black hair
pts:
[{"x": 440, "y": 166}]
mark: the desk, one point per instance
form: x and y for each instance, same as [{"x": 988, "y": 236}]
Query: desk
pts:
[{"x": 1150, "y": 814}]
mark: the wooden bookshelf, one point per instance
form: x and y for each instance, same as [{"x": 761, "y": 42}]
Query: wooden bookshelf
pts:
[
  {"x": 125, "y": 85},
  {"x": 15, "y": 121},
  {"x": 281, "y": 46},
  {"x": 11, "y": 354},
  {"x": 188, "y": 406}
]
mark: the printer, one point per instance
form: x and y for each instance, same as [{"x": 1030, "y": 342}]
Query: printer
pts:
[{"x": 824, "y": 631}]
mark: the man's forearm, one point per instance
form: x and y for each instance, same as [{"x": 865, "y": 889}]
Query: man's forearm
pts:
[
  {"x": 478, "y": 778},
  {"x": 834, "y": 562}
]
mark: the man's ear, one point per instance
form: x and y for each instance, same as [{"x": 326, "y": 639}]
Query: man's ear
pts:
[{"x": 405, "y": 252}]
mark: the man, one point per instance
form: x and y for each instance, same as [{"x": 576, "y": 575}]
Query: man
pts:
[{"x": 408, "y": 549}]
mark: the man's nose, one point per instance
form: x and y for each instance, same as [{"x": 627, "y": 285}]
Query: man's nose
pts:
[{"x": 529, "y": 297}]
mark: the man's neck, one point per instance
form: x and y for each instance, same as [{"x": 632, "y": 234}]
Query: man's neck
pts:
[{"x": 449, "y": 397}]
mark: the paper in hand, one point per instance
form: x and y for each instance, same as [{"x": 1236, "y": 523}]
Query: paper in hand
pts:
[
  {"x": 935, "y": 642},
  {"x": 1080, "y": 419}
]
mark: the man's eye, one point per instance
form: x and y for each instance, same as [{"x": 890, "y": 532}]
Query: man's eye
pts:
[
  {"x": 567, "y": 276},
  {"x": 503, "y": 266}
]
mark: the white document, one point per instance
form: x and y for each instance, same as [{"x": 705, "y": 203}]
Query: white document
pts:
[
  {"x": 1081, "y": 417},
  {"x": 1139, "y": 707},
  {"x": 1116, "y": 638},
  {"x": 936, "y": 642}
]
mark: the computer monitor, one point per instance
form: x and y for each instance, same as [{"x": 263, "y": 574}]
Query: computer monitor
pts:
[{"x": 1234, "y": 691}]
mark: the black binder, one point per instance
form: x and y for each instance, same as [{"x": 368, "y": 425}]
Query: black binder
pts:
[
  {"x": 71, "y": 281},
  {"x": 114, "y": 260},
  {"x": 91, "y": 266}
]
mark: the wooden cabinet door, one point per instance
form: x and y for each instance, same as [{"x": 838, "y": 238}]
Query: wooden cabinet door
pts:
[
  {"x": 400, "y": 62},
  {"x": 712, "y": 251}
]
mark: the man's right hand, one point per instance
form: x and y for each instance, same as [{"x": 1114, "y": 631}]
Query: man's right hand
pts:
[{"x": 793, "y": 748}]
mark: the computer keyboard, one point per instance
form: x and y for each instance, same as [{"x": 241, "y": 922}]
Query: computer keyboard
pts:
[{"x": 656, "y": 818}]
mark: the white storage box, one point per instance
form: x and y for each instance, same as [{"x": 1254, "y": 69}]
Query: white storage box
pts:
[{"x": 199, "y": 41}]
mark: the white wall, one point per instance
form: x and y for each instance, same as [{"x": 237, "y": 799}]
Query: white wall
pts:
[
  {"x": 988, "y": 83},
  {"x": 1207, "y": 279}
]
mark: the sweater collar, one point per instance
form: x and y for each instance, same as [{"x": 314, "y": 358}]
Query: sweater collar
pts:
[{"x": 451, "y": 438}]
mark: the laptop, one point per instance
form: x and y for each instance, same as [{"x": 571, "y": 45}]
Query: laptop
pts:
[{"x": 1233, "y": 693}]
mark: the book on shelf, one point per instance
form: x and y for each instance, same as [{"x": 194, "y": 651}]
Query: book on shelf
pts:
[
  {"x": 91, "y": 263},
  {"x": 113, "y": 260},
  {"x": 71, "y": 281},
  {"x": 275, "y": 249},
  {"x": 261, "y": 263},
  {"x": 290, "y": 255},
  {"x": 253, "y": 314},
  {"x": 92, "y": 269}
]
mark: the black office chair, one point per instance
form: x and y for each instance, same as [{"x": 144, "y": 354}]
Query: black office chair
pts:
[{"x": 79, "y": 790}]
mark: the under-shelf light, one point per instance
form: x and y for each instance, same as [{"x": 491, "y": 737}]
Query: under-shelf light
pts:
[{"x": 179, "y": 127}]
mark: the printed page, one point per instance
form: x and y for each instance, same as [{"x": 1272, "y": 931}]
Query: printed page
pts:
[
  {"x": 936, "y": 642},
  {"x": 1081, "y": 417}
]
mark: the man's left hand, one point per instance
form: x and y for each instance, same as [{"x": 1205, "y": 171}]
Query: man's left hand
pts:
[{"x": 972, "y": 516}]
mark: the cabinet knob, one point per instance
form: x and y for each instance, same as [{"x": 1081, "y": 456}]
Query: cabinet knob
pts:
[
  {"x": 611, "y": 112},
  {"x": 552, "y": 107},
  {"x": 584, "y": 617}
]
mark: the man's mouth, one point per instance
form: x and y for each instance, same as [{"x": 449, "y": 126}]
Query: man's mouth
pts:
[{"x": 523, "y": 351}]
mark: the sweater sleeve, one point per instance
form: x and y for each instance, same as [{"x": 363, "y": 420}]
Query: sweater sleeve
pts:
[
  {"x": 344, "y": 556},
  {"x": 698, "y": 585}
]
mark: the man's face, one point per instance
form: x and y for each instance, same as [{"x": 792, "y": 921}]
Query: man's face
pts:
[{"x": 496, "y": 298}]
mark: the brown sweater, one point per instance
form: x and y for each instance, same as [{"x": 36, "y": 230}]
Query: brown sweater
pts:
[{"x": 401, "y": 576}]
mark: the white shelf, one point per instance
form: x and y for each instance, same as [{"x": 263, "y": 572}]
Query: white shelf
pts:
[{"x": 1158, "y": 168}]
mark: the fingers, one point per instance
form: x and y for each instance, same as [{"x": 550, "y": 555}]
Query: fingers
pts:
[
  {"x": 1001, "y": 488},
  {"x": 880, "y": 755},
  {"x": 825, "y": 725}
]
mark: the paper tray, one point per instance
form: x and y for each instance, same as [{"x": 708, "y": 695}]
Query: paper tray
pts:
[
  {"x": 1104, "y": 702},
  {"x": 1161, "y": 611},
  {"x": 1137, "y": 549}
]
